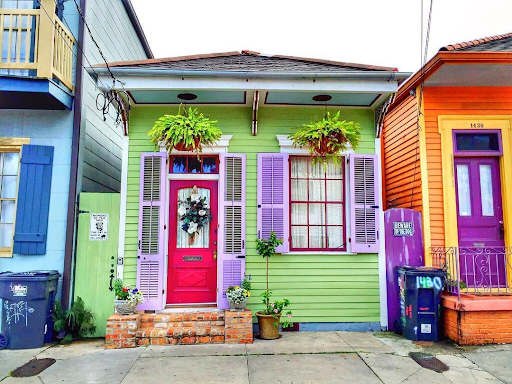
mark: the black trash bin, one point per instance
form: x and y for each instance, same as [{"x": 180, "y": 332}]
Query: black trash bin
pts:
[
  {"x": 420, "y": 302},
  {"x": 27, "y": 303}
]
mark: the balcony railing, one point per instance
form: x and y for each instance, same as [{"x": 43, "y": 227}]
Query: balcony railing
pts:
[
  {"x": 35, "y": 44},
  {"x": 480, "y": 271}
]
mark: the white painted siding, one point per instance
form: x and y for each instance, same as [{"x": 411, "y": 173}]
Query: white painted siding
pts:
[{"x": 102, "y": 141}]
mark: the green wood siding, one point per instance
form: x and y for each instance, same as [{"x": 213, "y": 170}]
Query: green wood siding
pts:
[{"x": 321, "y": 288}]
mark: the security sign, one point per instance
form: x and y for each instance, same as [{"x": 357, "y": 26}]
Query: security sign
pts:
[{"x": 99, "y": 227}]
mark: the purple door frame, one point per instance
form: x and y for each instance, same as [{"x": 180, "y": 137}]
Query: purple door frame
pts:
[{"x": 476, "y": 230}]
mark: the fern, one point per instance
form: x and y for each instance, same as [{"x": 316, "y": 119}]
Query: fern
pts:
[{"x": 76, "y": 322}]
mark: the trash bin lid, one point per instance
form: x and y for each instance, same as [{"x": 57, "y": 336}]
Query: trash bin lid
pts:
[
  {"x": 421, "y": 270},
  {"x": 30, "y": 275}
]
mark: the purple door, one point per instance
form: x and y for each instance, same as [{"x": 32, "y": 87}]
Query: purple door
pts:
[{"x": 480, "y": 221}]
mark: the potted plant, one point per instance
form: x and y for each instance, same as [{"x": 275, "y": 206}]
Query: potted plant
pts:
[
  {"x": 194, "y": 211},
  {"x": 270, "y": 318},
  {"x": 327, "y": 138},
  {"x": 238, "y": 296},
  {"x": 189, "y": 130},
  {"x": 127, "y": 299}
]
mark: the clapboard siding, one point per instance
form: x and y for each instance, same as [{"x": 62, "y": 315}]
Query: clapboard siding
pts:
[
  {"x": 322, "y": 288},
  {"x": 402, "y": 175},
  {"x": 453, "y": 101},
  {"x": 102, "y": 140}
]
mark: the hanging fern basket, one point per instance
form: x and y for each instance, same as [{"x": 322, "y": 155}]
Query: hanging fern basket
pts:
[
  {"x": 189, "y": 130},
  {"x": 327, "y": 138}
]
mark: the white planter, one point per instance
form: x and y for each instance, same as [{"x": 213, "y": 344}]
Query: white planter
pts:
[{"x": 124, "y": 308}]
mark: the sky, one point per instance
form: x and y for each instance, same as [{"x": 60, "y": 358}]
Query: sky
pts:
[{"x": 377, "y": 32}]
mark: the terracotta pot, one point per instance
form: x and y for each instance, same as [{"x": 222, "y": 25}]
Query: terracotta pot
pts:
[
  {"x": 266, "y": 324},
  {"x": 324, "y": 149},
  {"x": 182, "y": 147}
]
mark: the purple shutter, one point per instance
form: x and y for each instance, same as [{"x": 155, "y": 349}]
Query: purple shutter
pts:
[
  {"x": 231, "y": 239},
  {"x": 273, "y": 197},
  {"x": 364, "y": 195},
  {"x": 151, "y": 247}
]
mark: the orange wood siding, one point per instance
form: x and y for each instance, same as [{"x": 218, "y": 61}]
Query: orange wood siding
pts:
[
  {"x": 454, "y": 101},
  {"x": 401, "y": 157}
]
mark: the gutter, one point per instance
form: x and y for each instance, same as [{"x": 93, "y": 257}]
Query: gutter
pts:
[
  {"x": 71, "y": 222},
  {"x": 134, "y": 71}
]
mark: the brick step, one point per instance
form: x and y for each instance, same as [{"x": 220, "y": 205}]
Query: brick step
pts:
[{"x": 180, "y": 331}]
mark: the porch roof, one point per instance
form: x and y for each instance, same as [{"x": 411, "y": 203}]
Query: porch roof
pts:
[{"x": 234, "y": 77}]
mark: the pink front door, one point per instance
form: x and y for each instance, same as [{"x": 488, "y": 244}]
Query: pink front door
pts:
[
  {"x": 192, "y": 265},
  {"x": 480, "y": 221}
]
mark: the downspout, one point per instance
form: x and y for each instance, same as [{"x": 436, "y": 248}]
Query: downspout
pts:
[{"x": 71, "y": 223}]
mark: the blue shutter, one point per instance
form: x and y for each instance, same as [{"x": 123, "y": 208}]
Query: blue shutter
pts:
[{"x": 33, "y": 200}]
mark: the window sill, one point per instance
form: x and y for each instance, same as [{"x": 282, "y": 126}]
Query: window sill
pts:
[{"x": 319, "y": 253}]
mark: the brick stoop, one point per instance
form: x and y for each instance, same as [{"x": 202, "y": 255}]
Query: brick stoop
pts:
[
  {"x": 202, "y": 326},
  {"x": 182, "y": 328}
]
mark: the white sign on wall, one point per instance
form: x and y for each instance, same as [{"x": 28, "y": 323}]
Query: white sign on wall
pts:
[{"x": 99, "y": 227}]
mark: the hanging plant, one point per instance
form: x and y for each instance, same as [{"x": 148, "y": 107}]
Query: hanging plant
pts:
[
  {"x": 189, "y": 130},
  {"x": 327, "y": 138},
  {"x": 194, "y": 211}
]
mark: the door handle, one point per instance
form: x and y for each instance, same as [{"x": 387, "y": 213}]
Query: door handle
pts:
[
  {"x": 215, "y": 255},
  {"x": 111, "y": 280}
]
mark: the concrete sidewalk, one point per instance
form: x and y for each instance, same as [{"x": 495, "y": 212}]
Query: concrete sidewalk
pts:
[{"x": 303, "y": 357}]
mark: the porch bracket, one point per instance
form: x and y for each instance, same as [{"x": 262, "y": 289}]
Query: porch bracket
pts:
[{"x": 255, "y": 105}]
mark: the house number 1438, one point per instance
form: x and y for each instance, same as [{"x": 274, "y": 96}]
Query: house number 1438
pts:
[{"x": 477, "y": 125}]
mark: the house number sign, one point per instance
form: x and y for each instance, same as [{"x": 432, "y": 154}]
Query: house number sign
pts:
[
  {"x": 99, "y": 227},
  {"x": 403, "y": 228}
]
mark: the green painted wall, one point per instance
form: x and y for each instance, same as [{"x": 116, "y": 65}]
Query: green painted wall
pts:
[{"x": 321, "y": 288}]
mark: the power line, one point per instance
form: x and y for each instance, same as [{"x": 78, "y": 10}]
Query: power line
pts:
[
  {"x": 94, "y": 40},
  {"x": 423, "y": 56},
  {"x": 70, "y": 48}
]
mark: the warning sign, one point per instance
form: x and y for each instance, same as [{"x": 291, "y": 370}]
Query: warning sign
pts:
[{"x": 99, "y": 227}]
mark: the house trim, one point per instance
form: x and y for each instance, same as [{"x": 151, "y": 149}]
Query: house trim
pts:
[{"x": 448, "y": 123}]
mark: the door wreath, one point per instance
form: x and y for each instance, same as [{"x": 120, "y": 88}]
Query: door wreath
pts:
[{"x": 194, "y": 211}]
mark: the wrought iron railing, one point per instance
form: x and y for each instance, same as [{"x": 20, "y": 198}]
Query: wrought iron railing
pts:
[
  {"x": 34, "y": 42},
  {"x": 484, "y": 271}
]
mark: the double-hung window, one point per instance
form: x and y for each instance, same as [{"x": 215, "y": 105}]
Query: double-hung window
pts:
[
  {"x": 9, "y": 171},
  {"x": 317, "y": 205}
]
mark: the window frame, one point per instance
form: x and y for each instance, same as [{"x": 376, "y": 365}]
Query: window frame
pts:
[
  {"x": 201, "y": 158},
  {"x": 12, "y": 145},
  {"x": 343, "y": 203}
]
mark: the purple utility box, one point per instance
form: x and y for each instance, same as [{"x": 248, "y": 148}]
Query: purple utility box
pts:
[{"x": 404, "y": 246}]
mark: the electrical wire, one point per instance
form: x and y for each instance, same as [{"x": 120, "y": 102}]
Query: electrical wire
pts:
[
  {"x": 65, "y": 42},
  {"x": 423, "y": 58}
]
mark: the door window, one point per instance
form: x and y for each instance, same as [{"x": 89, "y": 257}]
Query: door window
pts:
[
  {"x": 463, "y": 190},
  {"x": 183, "y": 238},
  {"x": 486, "y": 190}
]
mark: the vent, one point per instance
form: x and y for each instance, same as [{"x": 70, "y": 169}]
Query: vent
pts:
[
  {"x": 272, "y": 169},
  {"x": 233, "y": 179},
  {"x": 151, "y": 173},
  {"x": 150, "y": 230},
  {"x": 148, "y": 284},
  {"x": 364, "y": 175},
  {"x": 233, "y": 243},
  {"x": 231, "y": 274}
]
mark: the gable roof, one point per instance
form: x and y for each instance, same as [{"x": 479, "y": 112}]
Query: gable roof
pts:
[
  {"x": 498, "y": 43},
  {"x": 246, "y": 61},
  {"x": 138, "y": 28}
]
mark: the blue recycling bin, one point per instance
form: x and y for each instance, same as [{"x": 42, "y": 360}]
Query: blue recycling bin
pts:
[
  {"x": 27, "y": 305},
  {"x": 420, "y": 302}
]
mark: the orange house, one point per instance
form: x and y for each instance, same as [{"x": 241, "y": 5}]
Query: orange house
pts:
[{"x": 447, "y": 152}]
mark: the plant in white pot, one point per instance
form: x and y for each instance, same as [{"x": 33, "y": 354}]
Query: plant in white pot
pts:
[
  {"x": 127, "y": 299},
  {"x": 270, "y": 318},
  {"x": 237, "y": 296}
]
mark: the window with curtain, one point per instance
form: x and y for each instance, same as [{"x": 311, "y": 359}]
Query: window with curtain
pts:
[
  {"x": 9, "y": 170},
  {"x": 317, "y": 205}
]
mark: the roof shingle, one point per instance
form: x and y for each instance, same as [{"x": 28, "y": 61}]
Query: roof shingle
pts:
[
  {"x": 247, "y": 61},
  {"x": 499, "y": 43}
]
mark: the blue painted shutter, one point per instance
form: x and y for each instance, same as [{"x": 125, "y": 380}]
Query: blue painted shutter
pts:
[{"x": 33, "y": 200}]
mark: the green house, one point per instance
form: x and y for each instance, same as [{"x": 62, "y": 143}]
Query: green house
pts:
[{"x": 254, "y": 181}]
